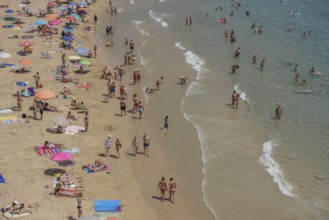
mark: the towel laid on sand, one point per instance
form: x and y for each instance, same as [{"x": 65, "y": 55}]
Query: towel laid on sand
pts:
[
  {"x": 106, "y": 168},
  {"x": 107, "y": 205},
  {"x": 73, "y": 129}
]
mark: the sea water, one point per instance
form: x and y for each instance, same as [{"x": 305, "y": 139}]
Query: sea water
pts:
[{"x": 251, "y": 162}]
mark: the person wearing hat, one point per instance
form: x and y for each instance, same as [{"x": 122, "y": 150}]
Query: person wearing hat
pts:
[{"x": 107, "y": 145}]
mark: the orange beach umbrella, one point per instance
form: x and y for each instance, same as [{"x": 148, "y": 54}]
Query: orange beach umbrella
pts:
[
  {"x": 25, "y": 62},
  {"x": 44, "y": 94}
]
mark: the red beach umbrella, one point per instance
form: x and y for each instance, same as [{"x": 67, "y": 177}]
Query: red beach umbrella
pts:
[
  {"x": 26, "y": 43},
  {"x": 26, "y": 62},
  {"x": 44, "y": 94}
]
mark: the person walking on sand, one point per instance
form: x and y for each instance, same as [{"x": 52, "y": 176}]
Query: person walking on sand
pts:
[
  {"x": 172, "y": 189},
  {"x": 95, "y": 18},
  {"x": 118, "y": 146},
  {"x": 95, "y": 51},
  {"x": 140, "y": 109},
  {"x": 37, "y": 80},
  {"x": 165, "y": 123},
  {"x": 107, "y": 145},
  {"x": 79, "y": 207},
  {"x": 147, "y": 143},
  {"x": 19, "y": 101},
  {"x": 123, "y": 107},
  {"x": 163, "y": 188},
  {"x": 86, "y": 121},
  {"x": 134, "y": 145}
]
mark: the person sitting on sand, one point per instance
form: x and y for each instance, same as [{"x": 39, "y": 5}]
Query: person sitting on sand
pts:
[
  {"x": 22, "y": 70},
  {"x": 60, "y": 129},
  {"x": 47, "y": 107},
  {"x": 70, "y": 116}
]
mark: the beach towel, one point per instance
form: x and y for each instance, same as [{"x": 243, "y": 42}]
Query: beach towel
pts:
[
  {"x": 91, "y": 217},
  {"x": 5, "y": 118},
  {"x": 108, "y": 215},
  {"x": 6, "y": 110},
  {"x": 31, "y": 91},
  {"x": 73, "y": 129},
  {"x": 84, "y": 86},
  {"x": 2, "y": 180},
  {"x": 72, "y": 151},
  {"x": 41, "y": 150},
  {"x": 9, "y": 215},
  {"x": 108, "y": 168},
  {"x": 107, "y": 205},
  {"x": 22, "y": 84}
]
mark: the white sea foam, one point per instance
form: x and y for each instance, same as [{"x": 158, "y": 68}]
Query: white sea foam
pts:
[
  {"x": 243, "y": 95},
  {"x": 132, "y": 2},
  {"x": 178, "y": 45},
  {"x": 159, "y": 17},
  {"x": 145, "y": 95},
  {"x": 196, "y": 62},
  {"x": 143, "y": 32},
  {"x": 274, "y": 170}
]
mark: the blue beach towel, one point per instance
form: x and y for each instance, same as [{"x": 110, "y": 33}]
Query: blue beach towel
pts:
[
  {"x": 2, "y": 180},
  {"x": 107, "y": 205}
]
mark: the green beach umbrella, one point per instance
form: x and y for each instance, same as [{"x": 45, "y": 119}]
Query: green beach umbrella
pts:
[{"x": 85, "y": 62}]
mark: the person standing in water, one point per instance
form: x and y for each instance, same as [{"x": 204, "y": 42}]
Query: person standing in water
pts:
[
  {"x": 278, "y": 112},
  {"x": 262, "y": 66},
  {"x": 165, "y": 124}
]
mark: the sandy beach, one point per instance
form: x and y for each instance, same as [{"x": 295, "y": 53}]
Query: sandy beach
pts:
[{"x": 133, "y": 179}]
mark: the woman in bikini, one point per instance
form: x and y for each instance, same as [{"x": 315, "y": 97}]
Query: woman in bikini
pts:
[
  {"x": 172, "y": 189},
  {"x": 163, "y": 188},
  {"x": 118, "y": 146}
]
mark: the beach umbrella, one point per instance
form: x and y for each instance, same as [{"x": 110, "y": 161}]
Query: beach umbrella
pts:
[
  {"x": 74, "y": 57},
  {"x": 61, "y": 156},
  {"x": 72, "y": 5},
  {"x": 82, "y": 50},
  {"x": 9, "y": 11},
  {"x": 70, "y": 38},
  {"x": 76, "y": 16},
  {"x": 26, "y": 43},
  {"x": 44, "y": 94},
  {"x": 61, "y": 121},
  {"x": 4, "y": 55},
  {"x": 25, "y": 62},
  {"x": 85, "y": 62},
  {"x": 54, "y": 171},
  {"x": 9, "y": 18},
  {"x": 70, "y": 18},
  {"x": 68, "y": 29},
  {"x": 40, "y": 22},
  {"x": 54, "y": 22},
  {"x": 21, "y": 83},
  {"x": 52, "y": 4},
  {"x": 51, "y": 16}
]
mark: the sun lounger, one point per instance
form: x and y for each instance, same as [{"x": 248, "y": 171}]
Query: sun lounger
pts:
[
  {"x": 107, "y": 205},
  {"x": 41, "y": 150},
  {"x": 45, "y": 55}
]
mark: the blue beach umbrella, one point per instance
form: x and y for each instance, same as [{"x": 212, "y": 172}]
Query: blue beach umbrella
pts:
[
  {"x": 9, "y": 11},
  {"x": 76, "y": 16},
  {"x": 82, "y": 50},
  {"x": 68, "y": 29},
  {"x": 40, "y": 22},
  {"x": 70, "y": 38}
]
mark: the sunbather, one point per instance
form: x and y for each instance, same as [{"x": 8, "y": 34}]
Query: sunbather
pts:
[
  {"x": 97, "y": 166},
  {"x": 60, "y": 191},
  {"x": 60, "y": 129},
  {"x": 47, "y": 107},
  {"x": 22, "y": 70},
  {"x": 70, "y": 116},
  {"x": 17, "y": 208}
]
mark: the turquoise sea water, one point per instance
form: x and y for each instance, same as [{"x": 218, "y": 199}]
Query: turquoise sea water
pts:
[{"x": 290, "y": 155}]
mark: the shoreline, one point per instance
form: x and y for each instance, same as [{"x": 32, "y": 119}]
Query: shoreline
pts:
[{"x": 119, "y": 184}]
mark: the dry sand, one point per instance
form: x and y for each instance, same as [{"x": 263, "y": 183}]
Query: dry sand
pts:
[{"x": 133, "y": 180}]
